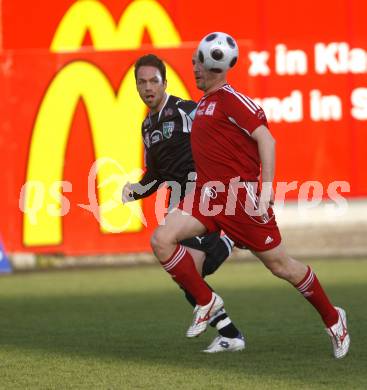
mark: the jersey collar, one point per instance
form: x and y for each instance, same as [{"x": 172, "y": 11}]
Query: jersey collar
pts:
[
  {"x": 215, "y": 91},
  {"x": 164, "y": 105}
]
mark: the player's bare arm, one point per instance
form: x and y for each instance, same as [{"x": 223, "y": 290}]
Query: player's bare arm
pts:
[{"x": 266, "y": 147}]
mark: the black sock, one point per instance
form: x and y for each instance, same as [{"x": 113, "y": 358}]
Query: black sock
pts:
[
  {"x": 190, "y": 298},
  {"x": 229, "y": 330}
]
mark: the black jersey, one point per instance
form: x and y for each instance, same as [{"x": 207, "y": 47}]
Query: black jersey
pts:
[{"x": 166, "y": 136}]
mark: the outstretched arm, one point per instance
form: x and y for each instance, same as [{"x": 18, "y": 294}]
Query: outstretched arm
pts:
[{"x": 145, "y": 187}]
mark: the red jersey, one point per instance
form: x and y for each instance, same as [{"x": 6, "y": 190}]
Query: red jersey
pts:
[{"x": 221, "y": 140}]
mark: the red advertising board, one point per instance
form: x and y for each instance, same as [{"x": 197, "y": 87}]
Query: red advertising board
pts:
[{"x": 69, "y": 99}]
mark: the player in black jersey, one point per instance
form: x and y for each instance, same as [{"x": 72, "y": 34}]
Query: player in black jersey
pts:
[{"x": 168, "y": 158}]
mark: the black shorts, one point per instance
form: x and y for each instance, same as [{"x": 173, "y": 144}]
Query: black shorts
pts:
[{"x": 205, "y": 243}]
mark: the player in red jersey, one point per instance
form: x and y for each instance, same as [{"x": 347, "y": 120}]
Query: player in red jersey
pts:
[
  {"x": 168, "y": 157},
  {"x": 232, "y": 146}
]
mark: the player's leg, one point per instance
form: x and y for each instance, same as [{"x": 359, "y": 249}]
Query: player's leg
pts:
[
  {"x": 230, "y": 338},
  {"x": 198, "y": 257},
  {"x": 306, "y": 282},
  {"x": 219, "y": 249},
  {"x": 214, "y": 249},
  {"x": 302, "y": 277},
  {"x": 178, "y": 262},
  {"x": 199, "y": 248},
  {"x": 262, "y": 236},
  {"x": 174, "y": 257}
]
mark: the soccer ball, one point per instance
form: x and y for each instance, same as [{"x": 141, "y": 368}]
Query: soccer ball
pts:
[{"x": 218, "y": 52}]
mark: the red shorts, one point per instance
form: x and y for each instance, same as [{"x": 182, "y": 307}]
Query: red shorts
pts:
[{"x": 233, "y": 212}]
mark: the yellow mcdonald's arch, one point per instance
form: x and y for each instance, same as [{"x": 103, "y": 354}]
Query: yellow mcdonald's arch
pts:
[
  {"x": 115, "y": 123},
  {"x": 92, "y": 16}
]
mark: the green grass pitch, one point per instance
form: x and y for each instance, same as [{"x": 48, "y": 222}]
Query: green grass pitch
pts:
[{"x": 124, "y": 329}]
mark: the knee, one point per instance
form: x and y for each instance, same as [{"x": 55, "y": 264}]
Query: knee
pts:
[
  {"x": 157, "y": 240},
  {"x": 210, "y": 265},
  {"x": 160, "y": 240}
]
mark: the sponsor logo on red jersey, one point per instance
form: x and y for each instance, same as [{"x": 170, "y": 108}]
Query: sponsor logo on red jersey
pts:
[{"x": 211, "y": 108}]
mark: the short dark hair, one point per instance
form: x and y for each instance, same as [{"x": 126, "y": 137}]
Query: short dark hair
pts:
[{"x": 151, "y": 60}]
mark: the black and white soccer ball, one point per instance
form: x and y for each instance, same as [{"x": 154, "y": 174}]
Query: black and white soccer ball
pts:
[{"x": 218, "y": 52}]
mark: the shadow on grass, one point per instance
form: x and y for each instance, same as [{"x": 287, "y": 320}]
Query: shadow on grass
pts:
[{"x": 285, "y": 335}]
